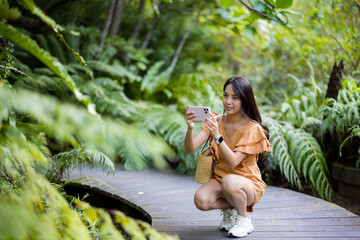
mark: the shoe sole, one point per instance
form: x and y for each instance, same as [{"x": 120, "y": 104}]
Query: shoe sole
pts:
[
  {"x": 224, "y": 229},
  {"x": 230, "y": 235}
]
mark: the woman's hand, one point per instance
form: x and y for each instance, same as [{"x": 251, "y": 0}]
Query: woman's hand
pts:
[
  {"x": 212, "y": 125},
  {"x": 189, "y": 116}
]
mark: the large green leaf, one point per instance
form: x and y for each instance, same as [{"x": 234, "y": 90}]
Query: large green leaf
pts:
[
  {"x": 30, "y": 5},
  {"x": 283, "y": 3},
  {"x": 310, "y": 161},
  {"x": 7, "y": 12},
  {"x": 280, "y": 152},
  {"x": 51, "y": 62}
]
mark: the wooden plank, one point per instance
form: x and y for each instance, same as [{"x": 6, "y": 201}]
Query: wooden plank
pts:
[{"x": 281, "y": 213}]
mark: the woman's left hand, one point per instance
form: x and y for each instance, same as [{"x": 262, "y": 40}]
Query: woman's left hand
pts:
[{"x": 212, "y": 125}]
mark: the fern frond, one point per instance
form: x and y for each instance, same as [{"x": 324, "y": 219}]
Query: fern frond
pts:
[
  {"x": 33, "y": 48},
  {"x": 354, "y": 132},
  {"x": 281, "y": 153},
  {"x": 115, "y": 70},
  {"x": 63, "y": 162},
  {"x": 154, "y": 82},
  {"x": 69, "y": 124},
  {"x": 309, "y": 160}
]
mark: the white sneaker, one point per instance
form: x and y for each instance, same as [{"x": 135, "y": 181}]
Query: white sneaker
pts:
[
  {"x": 241, "y": 226},
  {"x": 226, "y": 223}
]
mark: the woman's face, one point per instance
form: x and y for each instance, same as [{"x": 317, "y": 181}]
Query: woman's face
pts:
[{"x": 231, "y": 101}]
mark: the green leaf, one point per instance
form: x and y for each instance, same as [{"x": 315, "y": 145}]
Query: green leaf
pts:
[
  {"x": 7, "y": 12},
  {"x": 30, "y": 5},
  {"x": 284, "y": 3},
  {"x": 31, "y": 46}
]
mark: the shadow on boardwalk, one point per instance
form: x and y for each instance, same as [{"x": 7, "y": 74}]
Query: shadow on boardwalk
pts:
[{"x": 281, "y": 213}]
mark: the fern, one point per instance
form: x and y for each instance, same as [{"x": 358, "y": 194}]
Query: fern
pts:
[
  {"x": 65, "y": 161},
  {"x": 281, "y": 154},
  {"x": 354, "y": 132},
  {"x": 154, "y": 81},
  {"x": 63, "y": 122},
  {"x": 310, "y": 161},
  {"x": 57, "y": 49},
  {"x": 52, "y": 63},
  {"x": 114, "y": 70},
  {"x": 298, "y": 155},
  {"x": 344, "y": 112}
]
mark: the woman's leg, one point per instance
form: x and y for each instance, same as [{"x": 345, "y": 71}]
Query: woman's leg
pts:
[
  {"x": 238, "y": 192},
  {"x": 210, "y": 196}
]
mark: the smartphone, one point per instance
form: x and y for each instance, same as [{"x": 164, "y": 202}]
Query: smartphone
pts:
[{"x": 202, "y": 113}]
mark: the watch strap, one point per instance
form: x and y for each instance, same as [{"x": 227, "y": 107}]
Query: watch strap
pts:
[{"x": 219, "y": 140}]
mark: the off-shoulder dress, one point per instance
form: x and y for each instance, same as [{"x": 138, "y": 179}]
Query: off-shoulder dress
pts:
[{"x": 249, "y": 139}]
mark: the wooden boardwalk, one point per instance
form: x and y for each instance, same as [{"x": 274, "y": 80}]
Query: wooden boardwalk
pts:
[{"x": 281, "y": 214}]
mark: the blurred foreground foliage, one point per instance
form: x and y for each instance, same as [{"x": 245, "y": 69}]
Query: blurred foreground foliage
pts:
[{"x": 90, "y": 88}]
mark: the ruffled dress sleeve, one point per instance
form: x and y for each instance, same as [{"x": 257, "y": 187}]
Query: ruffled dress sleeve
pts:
[{"x": 253, "y": 141}]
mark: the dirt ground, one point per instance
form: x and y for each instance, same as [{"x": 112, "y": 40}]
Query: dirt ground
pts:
[{"x": 349, "y": 204}]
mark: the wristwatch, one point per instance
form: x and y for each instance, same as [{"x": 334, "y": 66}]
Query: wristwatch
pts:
[{"x": 219, "y": 140}]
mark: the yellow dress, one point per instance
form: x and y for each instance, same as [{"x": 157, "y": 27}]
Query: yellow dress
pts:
[{"x": 249, "y": 139}]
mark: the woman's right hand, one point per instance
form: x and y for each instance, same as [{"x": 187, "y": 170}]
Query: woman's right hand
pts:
[{"x": 189, "y": 116}]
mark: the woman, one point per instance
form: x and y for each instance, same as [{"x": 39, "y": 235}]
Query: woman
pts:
[{"x": 236, "y": 138}]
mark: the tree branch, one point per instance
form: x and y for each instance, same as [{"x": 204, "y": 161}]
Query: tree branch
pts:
[{"x": 261, "y": 14}]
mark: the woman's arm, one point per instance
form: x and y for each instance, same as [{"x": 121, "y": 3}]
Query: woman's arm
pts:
[
  {"x": 233, "y": 159},
  {"x": 192, "y": 143}
]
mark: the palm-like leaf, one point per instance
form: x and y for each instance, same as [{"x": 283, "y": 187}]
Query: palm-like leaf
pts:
[
  {"x": 65, "y": 161},
  {"x": 281, "y": 154},
  {"x": 63, "y": 122},
  {"x": 298, "y": 154},
  {"x": 309, "y": 160}
]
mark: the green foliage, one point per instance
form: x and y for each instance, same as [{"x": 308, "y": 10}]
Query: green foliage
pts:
[
  {"x": 298, "y": 154},
  {"x": 32, "y": 47},
  {"x": 342, "y": 122},
  {"x": 6, "y": 58},
  {"x": 139, "y": 111},
  {"x": 70, "y": 125},
  {"x": 343, "y": 113},
  {"x": 303, "y": 107},
  {"x": 25, "y": 120},
  {"x": 65, "y": 161}
]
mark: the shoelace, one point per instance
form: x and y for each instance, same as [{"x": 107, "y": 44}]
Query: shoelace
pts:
[
  {"x": 238, "y": 219},
  {"x": 226, "y": 215}
]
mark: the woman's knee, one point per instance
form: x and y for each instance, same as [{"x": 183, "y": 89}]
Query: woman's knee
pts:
[
  {"x": 230, "y": 183},
  {"x": 233, "y": 184},
  {"x": 201, "y": 201}
]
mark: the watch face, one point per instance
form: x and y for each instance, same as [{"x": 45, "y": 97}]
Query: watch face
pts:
[{"x": 219, "y": 140}]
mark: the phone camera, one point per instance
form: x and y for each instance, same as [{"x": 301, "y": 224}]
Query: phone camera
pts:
[{"x": 206, "y": 110}]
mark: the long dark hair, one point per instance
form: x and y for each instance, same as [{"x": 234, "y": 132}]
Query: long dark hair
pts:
[{"x": 244, "y": 91}]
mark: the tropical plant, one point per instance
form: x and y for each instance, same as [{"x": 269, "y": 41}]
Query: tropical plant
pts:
[
  {"x": 39, "y": 136},
  {"x": 342, "y": 123},
  {"x": 298, "y": 155}
]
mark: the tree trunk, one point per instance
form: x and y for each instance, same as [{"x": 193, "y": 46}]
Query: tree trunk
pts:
[
  {"x": 181, "y": 45},
  {"x": 335, "y": 80},
  {"x": 107, "y": 25},
  {"x": 117, "y": 18},
  {"x": 149, "y": 32},
  {"x": 139, "y": 22}
]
